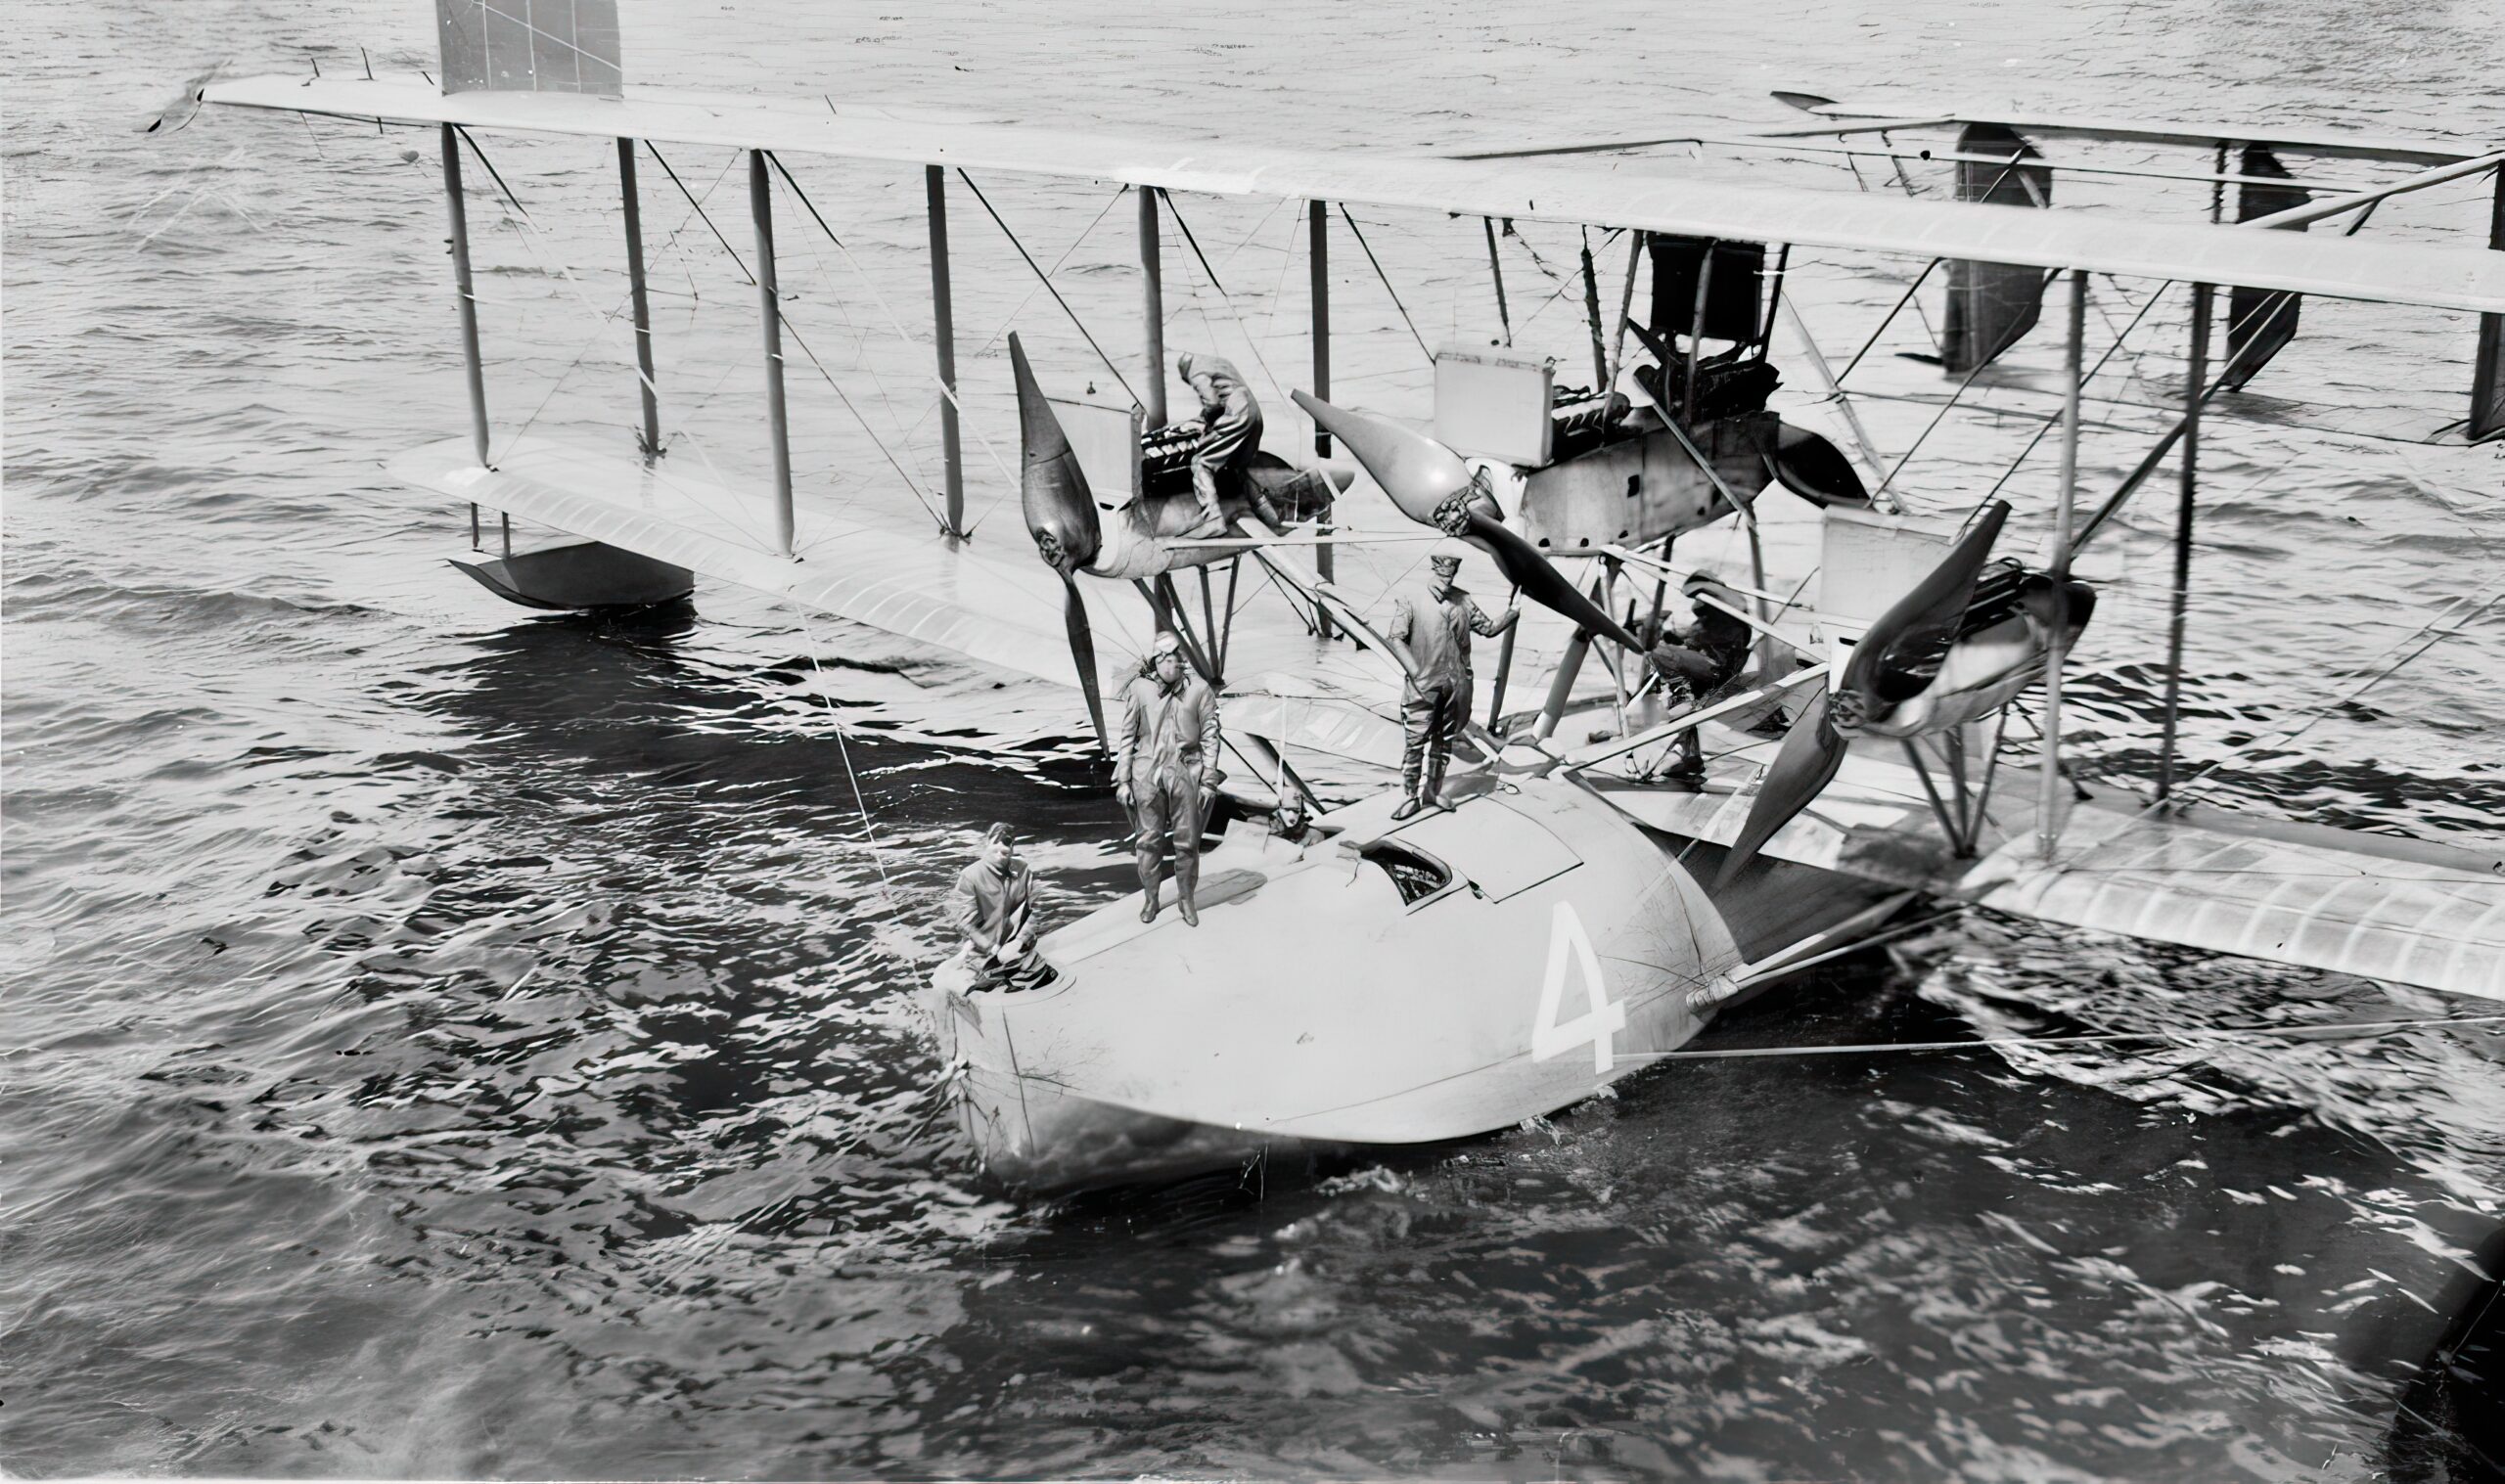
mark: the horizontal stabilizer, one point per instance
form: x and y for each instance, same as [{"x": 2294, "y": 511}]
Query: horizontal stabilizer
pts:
[
  {"x": 1990, "y": 305},
  {"x": 2261, "y": 323}
]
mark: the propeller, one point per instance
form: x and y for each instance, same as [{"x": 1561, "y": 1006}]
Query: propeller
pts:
[
  {"x": 1892, "y": 663},
  {"x": 1061, "y": 515},
  {"x": 1433, "y": 486},
  {"x": 1812, "y": 751}
]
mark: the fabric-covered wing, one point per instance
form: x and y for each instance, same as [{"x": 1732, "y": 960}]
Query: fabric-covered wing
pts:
[
  {"x": 1547, "y": 190},
  {"x": 1001, "y": 607},
  {"x": 1324, "y": 718},
  {"x": 994, "y": 602},
  {"x": 2360, "y": 904}
]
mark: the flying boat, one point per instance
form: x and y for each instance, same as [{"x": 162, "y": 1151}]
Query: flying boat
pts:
[{"x": 1575, "y": 912}]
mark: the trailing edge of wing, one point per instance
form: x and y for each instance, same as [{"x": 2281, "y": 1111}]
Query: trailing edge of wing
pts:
[
  {"x": 2353, "y": 903},
  {"x": 2328, "y": 143},
  {"x": 2438, "y": 277}
]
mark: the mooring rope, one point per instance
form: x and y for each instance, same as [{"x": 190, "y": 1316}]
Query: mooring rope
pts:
[
  {"x": 2333, "y": 1029},
  {"x": 868, "y": 823}
]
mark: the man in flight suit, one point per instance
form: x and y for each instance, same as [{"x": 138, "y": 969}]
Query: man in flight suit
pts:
[
  {"x": 1703, "y": 657},
  {"x": 1164, "y": 761},
  {"x": 993, "y": 904},
  {"x": 1432, "y": 629},
  {"x": 1230, "y": 433}
]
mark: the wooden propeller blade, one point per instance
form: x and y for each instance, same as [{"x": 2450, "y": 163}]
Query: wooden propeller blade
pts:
[
  {"x": 1889, "y": 664},
  {"x": 1811, "y": 754},
  {"x": 1082, "y": 652}
]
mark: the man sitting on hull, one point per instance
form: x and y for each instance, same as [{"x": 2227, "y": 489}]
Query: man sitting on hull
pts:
[
  {"x": 993, "y": 904},
  {"x": 1166, "y": 744}
]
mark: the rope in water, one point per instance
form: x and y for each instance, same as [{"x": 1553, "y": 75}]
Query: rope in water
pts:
[
  {"x": 2331, "y": 1031},
  {"x": 843, "y": 748}
]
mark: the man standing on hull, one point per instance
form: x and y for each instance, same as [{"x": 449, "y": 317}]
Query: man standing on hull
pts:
[
  {"x": 1432, "y": 630},
  {"x": 1164, "y": 761},
  {"x": 1230, "y": 433}
]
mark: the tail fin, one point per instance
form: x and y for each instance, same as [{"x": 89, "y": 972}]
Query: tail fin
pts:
[
  {"x": 529, "y": 46},
  {"x": 1992, "y": 304},
  {"x": 2260, "y": 322}
]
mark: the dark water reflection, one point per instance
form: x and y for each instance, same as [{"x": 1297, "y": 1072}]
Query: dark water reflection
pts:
[{"x": 443, "y": 1042}]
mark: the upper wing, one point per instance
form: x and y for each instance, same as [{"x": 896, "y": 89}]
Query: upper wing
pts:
[
  {"x": 2338, "y": 268},
  {"x": 2326, "y": 143}
]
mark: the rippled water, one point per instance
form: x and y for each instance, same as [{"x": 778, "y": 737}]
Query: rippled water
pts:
[{"x": 444, "y": 1040}]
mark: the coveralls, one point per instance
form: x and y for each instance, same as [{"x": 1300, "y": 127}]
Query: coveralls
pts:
[
  {"x": 1230, "y": 426},
  {"x": 1165, "y": 747},
  {"x": 1436, "y": 626},
  {"x": 1707, "y": 654},
  {"x": 991, "y": 908}
]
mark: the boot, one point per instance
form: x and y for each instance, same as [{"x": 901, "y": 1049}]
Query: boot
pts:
[
  {"x": 1148, "y": 905},
  {"x": 1187, "y": 882},
  {"x": 1190, "y": 913},
  {"x": 1691, "y": 763},
  {"x": 1407, "y": 808}
]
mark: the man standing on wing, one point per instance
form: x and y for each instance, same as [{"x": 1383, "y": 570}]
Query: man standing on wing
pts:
[
  {"x": 1431, "y": 629},
  {"x": 993, "y": 904},
  {"x": 1230, "y": 433},
  {"x": 1165, "y": 762}
]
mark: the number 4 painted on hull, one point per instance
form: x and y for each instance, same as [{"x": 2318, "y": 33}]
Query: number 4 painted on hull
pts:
[{"x": 1598, "y": 1024}]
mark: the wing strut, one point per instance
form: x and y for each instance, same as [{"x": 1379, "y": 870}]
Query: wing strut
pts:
[
  {"x": 1317, "y": 253},
  {"x": 944, "y": 337},
  {"x": 632, "y": 200},
  {"x": 2048, "y": 820},
  {"x": 778, "y": 429},
  {"x": 2180, "y": 596}
]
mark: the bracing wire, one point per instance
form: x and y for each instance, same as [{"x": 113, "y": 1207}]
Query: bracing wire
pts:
[
  {"x": 945, "y": 390},
  {"x": 1250, "y": 342},
  {"x": 1046, "y": 279},
  {"x": 911, "y": 486},
  {"x": 702, "y": 212},
  {"x": 1368, "y": 249}
]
